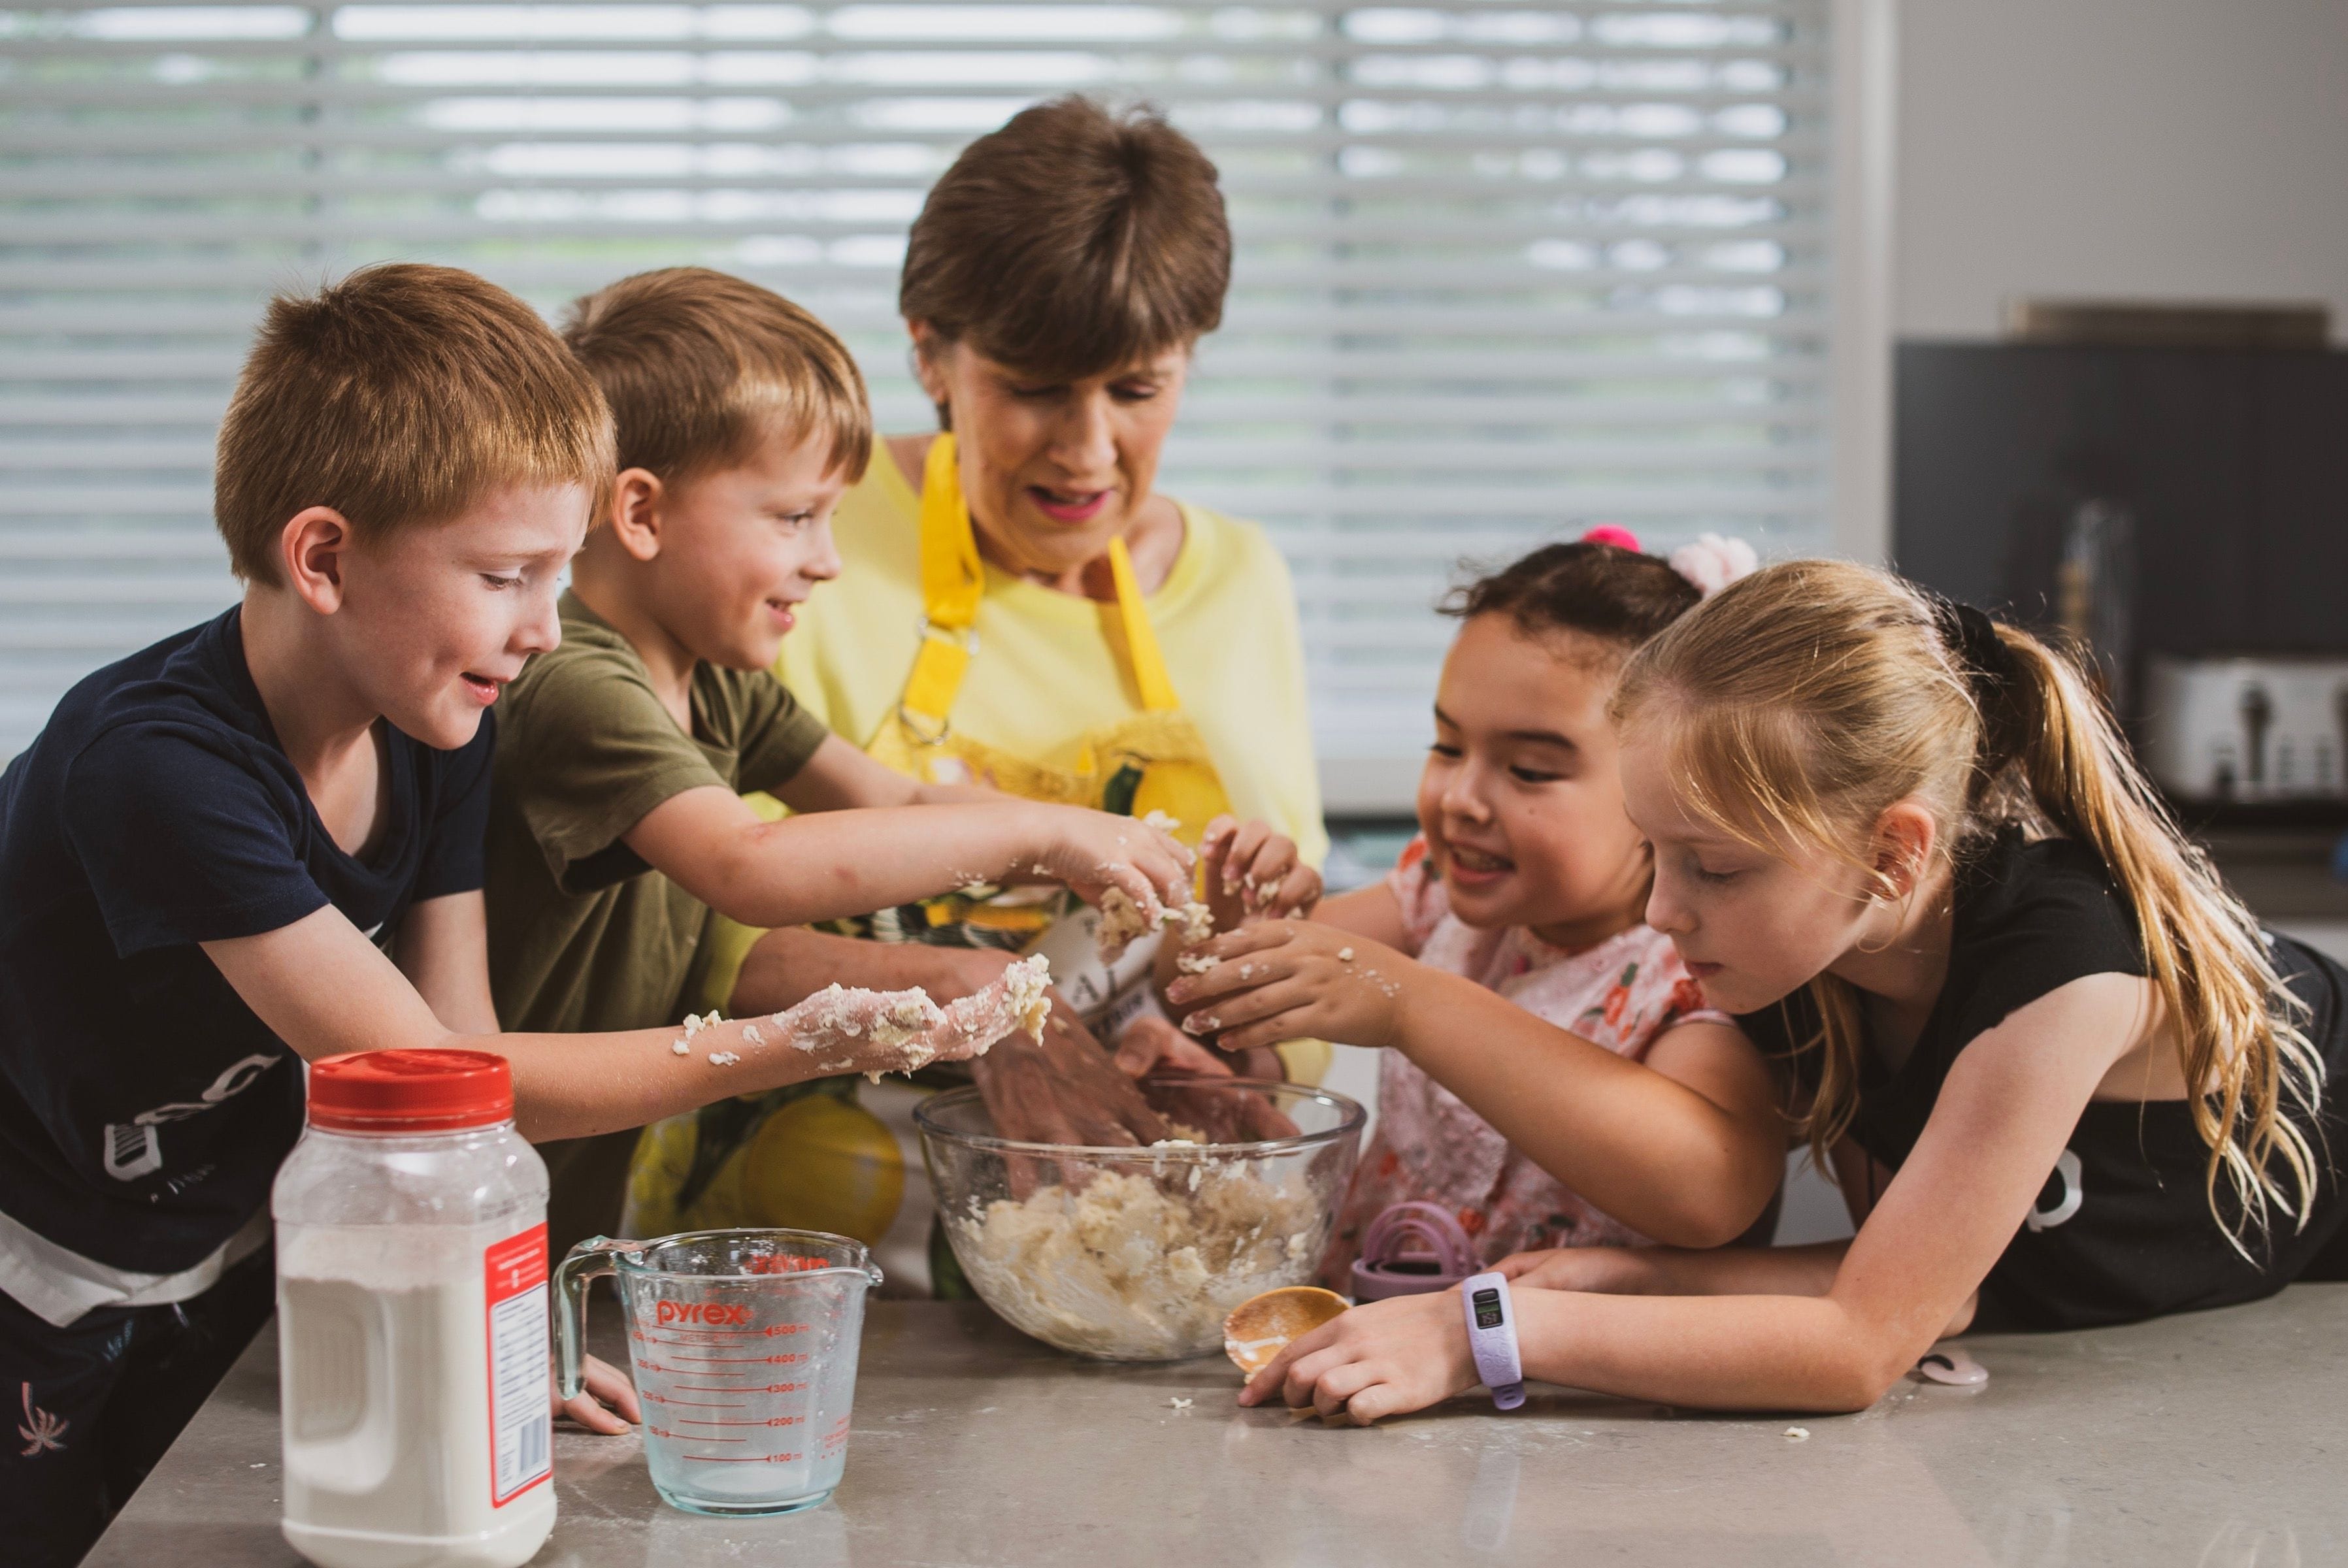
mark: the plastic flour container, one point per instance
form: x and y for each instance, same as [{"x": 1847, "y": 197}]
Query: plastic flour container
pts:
[{"x": 412, "y": 1318}]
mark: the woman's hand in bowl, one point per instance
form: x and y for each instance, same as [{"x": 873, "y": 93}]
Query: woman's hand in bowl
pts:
[
  {"x": 1291, "y": 980},
  {"x": 1253, "y": 872},
  {"x": 1065, "y": 1090},
  {"x": 1150, "y": 1047}
]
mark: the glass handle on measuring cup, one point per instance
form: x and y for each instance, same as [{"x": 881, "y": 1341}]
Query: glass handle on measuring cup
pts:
[{"x": 588, "y": 1261}]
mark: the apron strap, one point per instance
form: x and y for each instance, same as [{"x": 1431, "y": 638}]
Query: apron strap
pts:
[
  {"x": 953, "y": 582},
  {"x": 1149, "y": 677}
]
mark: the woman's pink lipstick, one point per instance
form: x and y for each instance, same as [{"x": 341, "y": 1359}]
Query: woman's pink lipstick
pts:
[{"x": 1065, "y": 511}]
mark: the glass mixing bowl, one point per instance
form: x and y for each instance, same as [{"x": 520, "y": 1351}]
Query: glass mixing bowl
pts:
[{"x": 1137, "y": 1254}]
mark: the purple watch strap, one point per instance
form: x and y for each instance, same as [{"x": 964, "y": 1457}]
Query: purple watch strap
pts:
[{"x": 1491, "y": 1320}]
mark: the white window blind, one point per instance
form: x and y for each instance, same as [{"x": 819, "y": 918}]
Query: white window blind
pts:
[{"x": 1505, "y": 270}]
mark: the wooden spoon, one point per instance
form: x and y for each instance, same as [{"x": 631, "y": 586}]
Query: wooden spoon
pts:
[{"x": 1260, "y": 1327}]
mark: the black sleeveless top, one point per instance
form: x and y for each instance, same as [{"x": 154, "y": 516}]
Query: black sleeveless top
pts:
[{"x": 2122, "y": 1229}]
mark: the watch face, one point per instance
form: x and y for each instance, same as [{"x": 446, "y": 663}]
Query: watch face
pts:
[{"x": 1487, "y": 1303}]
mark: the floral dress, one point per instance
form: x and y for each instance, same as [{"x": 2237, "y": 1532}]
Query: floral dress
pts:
[{"x": 1429, "y": 1146}]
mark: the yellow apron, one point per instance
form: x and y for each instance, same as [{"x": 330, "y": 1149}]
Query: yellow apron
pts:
[{"x": 775, "y": 1159}]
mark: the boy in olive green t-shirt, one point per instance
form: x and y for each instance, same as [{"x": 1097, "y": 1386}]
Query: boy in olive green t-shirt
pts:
[
  {"x": 586, "y": 753},
  {"x": 616, "y": 818}
]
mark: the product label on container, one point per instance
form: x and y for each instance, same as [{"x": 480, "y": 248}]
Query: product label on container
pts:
[{"x": 520, "y": 1415}]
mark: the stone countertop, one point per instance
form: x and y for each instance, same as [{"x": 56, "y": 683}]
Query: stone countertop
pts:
[{"x": 2214, "y": 1437}]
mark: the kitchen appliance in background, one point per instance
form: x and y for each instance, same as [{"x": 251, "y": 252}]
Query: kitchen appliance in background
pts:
[
  {"x": 2227, "y": 461},
  {"x": 2250, "y": 729}
]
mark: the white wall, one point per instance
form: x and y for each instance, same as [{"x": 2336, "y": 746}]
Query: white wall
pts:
[{"x": 2169, "y": 148}]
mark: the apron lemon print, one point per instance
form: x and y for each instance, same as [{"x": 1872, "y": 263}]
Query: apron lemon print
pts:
[{"x": 752, "y": 1161}]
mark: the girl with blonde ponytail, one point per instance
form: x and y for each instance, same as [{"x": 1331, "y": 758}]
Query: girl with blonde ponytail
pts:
[{"x": 2061, "y": 1075}]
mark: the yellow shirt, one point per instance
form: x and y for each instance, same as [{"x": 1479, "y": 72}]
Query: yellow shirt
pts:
[{"x": 1045, "y": 671}]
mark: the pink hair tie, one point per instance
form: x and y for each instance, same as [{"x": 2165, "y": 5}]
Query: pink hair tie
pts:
[
  {"x": 1614, "y": 534},
  {"x": 1712, "y": 563}
]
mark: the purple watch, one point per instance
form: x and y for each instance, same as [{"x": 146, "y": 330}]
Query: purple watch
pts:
[{"x": 1492, "y": 1336}]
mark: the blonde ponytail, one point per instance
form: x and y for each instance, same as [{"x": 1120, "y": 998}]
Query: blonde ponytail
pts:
[
  {"x": 1805, "y": 699},
  {"x": 2237, "y": 1024}
]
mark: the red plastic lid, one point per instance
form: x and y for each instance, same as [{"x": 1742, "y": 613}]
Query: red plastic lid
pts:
[{"x": 410, "y": 1090}]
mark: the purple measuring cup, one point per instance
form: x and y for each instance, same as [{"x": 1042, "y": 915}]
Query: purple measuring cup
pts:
[{"x": 1412, "y": 1249}]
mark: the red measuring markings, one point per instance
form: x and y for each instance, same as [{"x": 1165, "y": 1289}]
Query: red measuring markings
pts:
[
  {"x": 837, "y": 1436},
  {"x": 689, "y": 1438},
  {"x": 745, "y": 1458},
  {"x": 695, "y": 1404}
]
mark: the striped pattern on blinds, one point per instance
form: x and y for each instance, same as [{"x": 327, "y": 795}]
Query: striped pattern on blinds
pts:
[{"x": 1506, "y": 267}]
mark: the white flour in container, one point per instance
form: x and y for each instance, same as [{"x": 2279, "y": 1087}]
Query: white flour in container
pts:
[
  {"x": 1127, "y": 1269},
  {"x": 381, "y": 1333}
]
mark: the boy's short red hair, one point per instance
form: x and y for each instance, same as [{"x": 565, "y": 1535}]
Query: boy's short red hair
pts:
[{"x": 399, "y": 396}]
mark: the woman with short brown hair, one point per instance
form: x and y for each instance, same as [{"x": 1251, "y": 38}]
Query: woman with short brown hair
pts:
[{"x": 1019, "y": 606}]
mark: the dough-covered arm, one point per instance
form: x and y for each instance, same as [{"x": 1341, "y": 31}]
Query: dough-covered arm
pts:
[{"x": 324, "y": 989}]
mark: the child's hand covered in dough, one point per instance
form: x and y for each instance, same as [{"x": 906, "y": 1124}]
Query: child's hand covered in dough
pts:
[
  {"x": 896, "y": 1031},
  {"x": 1092, "y": 852},
  {"x": 1291, "y": 980},
  {"x": 1253, "y": 872}
]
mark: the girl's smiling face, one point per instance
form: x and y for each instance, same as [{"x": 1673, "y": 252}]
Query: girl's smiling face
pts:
[
  {"x": 1752, "y": 927},
  {"x": 1520, "y": 800}
]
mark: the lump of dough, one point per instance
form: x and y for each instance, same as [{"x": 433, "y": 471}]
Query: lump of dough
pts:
[{"x": 1126, "y": 1268}]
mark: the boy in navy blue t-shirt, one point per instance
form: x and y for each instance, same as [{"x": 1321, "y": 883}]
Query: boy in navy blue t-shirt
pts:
[
  {"x": 410, "y": 460},
  {"x": 260, "y": 843}
]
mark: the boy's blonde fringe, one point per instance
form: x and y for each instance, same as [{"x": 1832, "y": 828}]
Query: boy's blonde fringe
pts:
[{"x": 1805, "y": 700}]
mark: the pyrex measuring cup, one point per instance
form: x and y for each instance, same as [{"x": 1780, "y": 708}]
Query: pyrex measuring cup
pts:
[{"x": 743, "y": 1346}]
